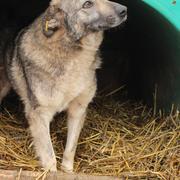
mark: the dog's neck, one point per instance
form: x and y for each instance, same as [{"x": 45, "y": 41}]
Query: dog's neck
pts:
[
  {"x": 61, "y": 41},
  {"x": 92, "y": 41}
]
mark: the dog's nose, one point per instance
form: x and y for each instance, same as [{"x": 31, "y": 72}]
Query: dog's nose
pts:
[{"x": 123, "y": 13}]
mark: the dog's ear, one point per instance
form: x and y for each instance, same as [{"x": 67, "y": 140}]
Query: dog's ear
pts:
[{"x": 52, "y": 21}]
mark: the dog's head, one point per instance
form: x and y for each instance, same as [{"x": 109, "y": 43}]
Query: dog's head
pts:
[{"x": 83, "y": 16}]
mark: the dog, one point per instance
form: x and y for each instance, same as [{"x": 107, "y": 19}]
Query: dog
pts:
[{"x": 52, "y": 65}]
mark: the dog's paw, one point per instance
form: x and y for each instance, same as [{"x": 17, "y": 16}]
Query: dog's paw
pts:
[
  {"x": 53, "y": 169},
  {"x": 50, "y": 166},
  {"x": 67, "y": 170},
  {"x": 67, "y": 164}
]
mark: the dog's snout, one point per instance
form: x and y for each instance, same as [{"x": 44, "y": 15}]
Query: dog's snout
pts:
[{"x": 123, "y": 13}]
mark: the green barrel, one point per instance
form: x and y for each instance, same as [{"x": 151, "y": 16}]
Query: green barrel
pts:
[
  {"x": 170, "y": 9},
  {"x": 154, "y": 48}
]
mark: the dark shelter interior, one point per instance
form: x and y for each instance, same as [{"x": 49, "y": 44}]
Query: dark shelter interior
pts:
[{"x": 141, "y": 54}]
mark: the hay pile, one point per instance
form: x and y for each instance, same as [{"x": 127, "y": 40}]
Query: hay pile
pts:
[{"x": 114, "y": 141}]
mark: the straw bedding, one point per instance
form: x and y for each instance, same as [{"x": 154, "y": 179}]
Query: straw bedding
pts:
[{"x": 118, "y": 139}]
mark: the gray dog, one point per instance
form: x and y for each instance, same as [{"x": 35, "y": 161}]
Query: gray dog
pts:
[{"x": 51, "y": 65}]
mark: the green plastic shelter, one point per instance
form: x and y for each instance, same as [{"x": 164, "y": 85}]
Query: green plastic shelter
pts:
[
  {"x": 170, "y": 9},
  {"x": 154, "y": 47}
]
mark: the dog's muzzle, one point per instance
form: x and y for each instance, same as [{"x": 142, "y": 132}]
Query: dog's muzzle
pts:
[
  {"x": 119, "y": 16},
  {"x": 115, "y": 17}
]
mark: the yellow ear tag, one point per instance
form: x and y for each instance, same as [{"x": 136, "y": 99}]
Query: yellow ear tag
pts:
[{"x": 47, "y": 23}]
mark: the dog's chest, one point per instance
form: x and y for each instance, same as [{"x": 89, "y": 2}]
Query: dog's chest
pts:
[{"x": 76, "y": 77}]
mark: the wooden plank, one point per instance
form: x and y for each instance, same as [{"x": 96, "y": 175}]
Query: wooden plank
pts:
[{"x": 29, "y": 175}]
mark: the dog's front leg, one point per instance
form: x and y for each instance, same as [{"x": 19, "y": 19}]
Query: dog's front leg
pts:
[
  {"x": 39, "y": 120},
  {"x": 76, "y": 116}
]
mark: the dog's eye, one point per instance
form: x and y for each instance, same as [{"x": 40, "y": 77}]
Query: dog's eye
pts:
[{"x": 88, "y": 4}]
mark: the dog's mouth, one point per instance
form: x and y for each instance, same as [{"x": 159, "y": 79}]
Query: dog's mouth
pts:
[
  {"x": 120, "y": 22},
  {"x": 98, "y": 28},
  {"x": 102, "y": 27},
  {"x": 106, "y": 25}
]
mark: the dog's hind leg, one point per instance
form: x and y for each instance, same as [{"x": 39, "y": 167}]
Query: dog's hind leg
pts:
[
  {"x": 39, "y": 121},
  {"x": 76, "y": 116},
  {"x": 4, "y": 90},
  {"x": 4, "y": 84}
]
